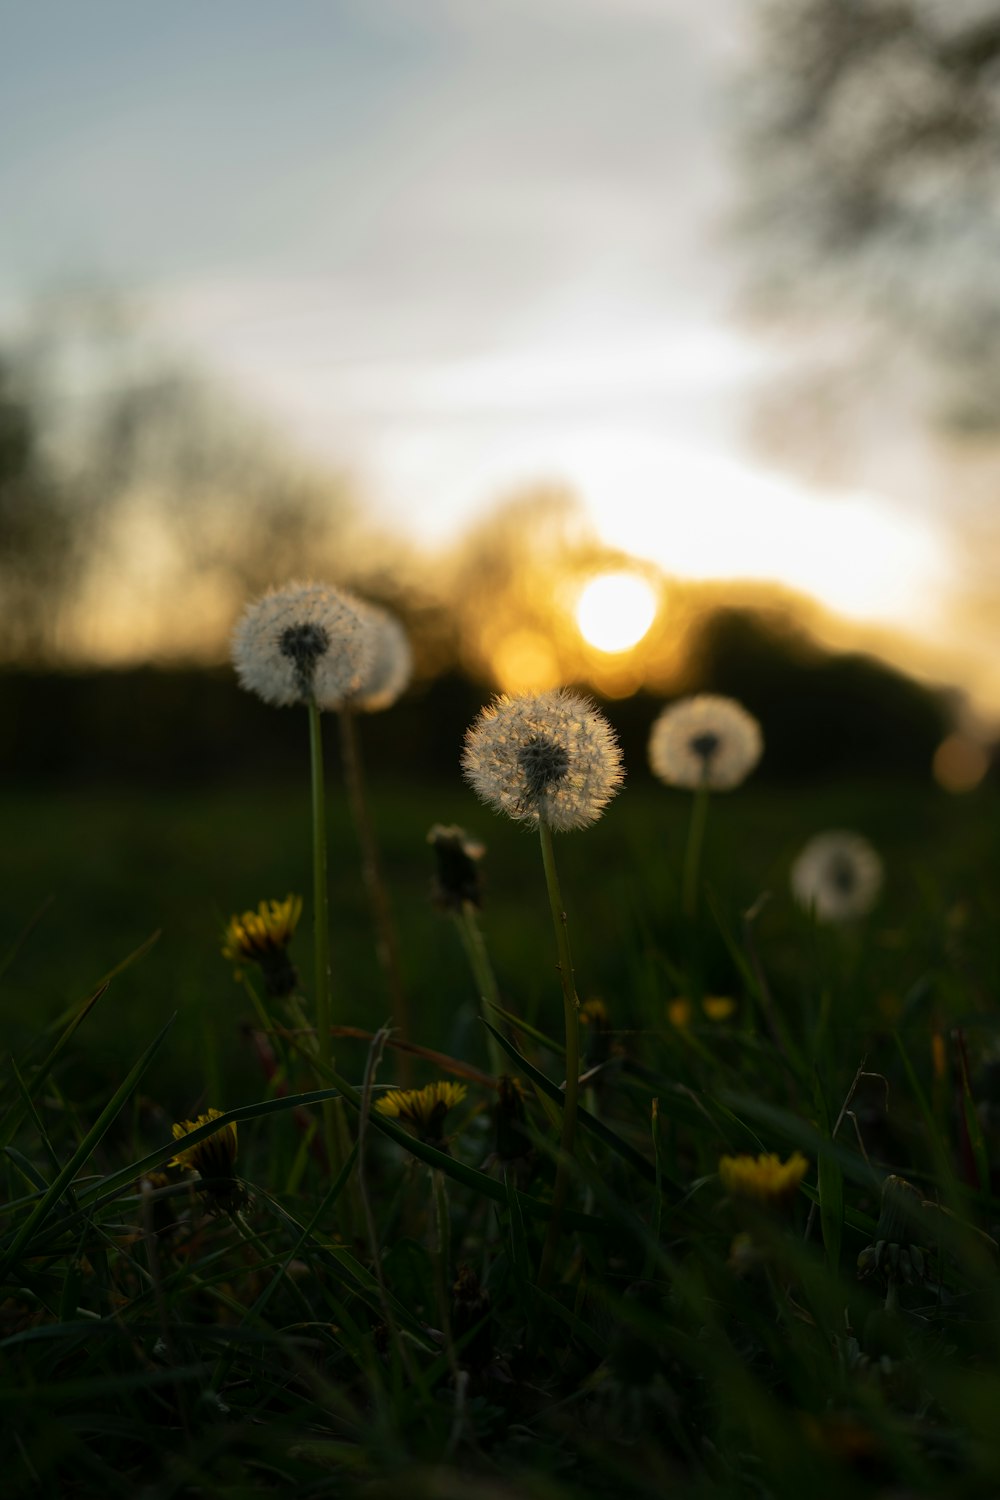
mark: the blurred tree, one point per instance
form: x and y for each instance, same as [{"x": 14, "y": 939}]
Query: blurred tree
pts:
[
  {"x": 141, "y": 504},
  {"x": 227, "y": 498},
  {"x": 39, "y": 545},
  {"x": 870, "y": 136},
  {"x": 515, "y": 581},
  {"x": 505, "y": 576}
]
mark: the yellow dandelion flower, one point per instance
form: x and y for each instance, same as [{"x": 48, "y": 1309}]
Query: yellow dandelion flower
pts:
[
  {"x": 212, "y": 1158},
  {"x": 262, "y": 937},
  {"x": 764, "y": 1178},
  {"x": 424, "y": 1110},
  {"x": 680, "y": 1011},
  {"x": 718, "y": 1007}
]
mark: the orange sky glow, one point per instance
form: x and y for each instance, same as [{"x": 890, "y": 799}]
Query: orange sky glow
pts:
[{"x": 469, "y": 252}]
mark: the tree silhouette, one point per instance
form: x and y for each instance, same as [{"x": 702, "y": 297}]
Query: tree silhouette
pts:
[
  {"x": 39, "y": 544},
  {"x": 869, "y": 136}
]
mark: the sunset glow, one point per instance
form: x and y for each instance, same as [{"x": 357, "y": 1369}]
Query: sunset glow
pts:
[{"x": 615, "y": 610}]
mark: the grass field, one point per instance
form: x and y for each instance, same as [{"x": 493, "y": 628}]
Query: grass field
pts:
[
  {"x": 117, "y": 867},
  {"x": 690, "y": 1338}
]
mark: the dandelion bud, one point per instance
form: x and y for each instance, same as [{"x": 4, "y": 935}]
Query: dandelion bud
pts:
[
  {"x": 596, "y": 1022},
  {"x": 543, "y": 758},
  {"x": 162, "y": 1218},
  {"x": 457, "y": 879},
  {"x": 897, "y": 1253},
  {"x": 511, "y": 1140}
]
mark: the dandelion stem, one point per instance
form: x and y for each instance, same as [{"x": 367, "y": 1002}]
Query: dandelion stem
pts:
[
  {"x": 571, "y": 1007},
  {"x": 476, "y": 952},
  {"x": 442, "y": 1239},
  {"x": 386, "y": 946},
  {"x": 321, "y": 929},
  {"x": 692, "y": 855},
  {"x": 263, "y": 1017}
]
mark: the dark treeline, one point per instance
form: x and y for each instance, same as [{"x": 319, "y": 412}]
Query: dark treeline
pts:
[{"x": 823, "y": 715}]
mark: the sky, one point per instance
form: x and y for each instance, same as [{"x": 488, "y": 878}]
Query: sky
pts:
[{"x": 457, "y": 248}]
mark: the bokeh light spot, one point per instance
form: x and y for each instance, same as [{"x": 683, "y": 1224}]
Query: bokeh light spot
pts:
[{"x": 960, "y": 763}]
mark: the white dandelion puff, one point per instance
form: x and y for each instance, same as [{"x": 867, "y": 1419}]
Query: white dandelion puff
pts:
[
  {"x": 544, "y": 758},
  {"x": 837, "y": 876},
  {"x": 391, "y": 665},
  {"x": 301, "y": 643},
  {"x": 706, "y": 741}
]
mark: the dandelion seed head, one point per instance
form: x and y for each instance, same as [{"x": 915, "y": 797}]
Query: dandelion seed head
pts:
[
  {"x": 301, "y": 642},
  {"x": 706, "y": 741},
  {"x": 391, "y": 664},
  {"x": 838, "y": 876},
  {"x": 543, "y": 757}
]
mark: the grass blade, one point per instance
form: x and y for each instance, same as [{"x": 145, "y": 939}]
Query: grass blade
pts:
[
  {"x": 16, "y": 1113},
  {"x": 597, "y": 1127},
  {"x": 86, "y": 1147},
  {"x": 831, "y": 1187}
]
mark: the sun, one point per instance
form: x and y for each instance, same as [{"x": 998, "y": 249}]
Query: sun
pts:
[{"x": 615, "y": 610}]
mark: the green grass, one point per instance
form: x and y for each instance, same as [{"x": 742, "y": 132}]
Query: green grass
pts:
[{"x": 148, "y": 1346}]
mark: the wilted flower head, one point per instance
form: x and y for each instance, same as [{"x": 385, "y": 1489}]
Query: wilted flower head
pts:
[
  {"x": 544, "y": 757},
  {"x": 765, "y": 1178},
  {"x": 262, "y": 937},
  {"x": 511, "y": 1140},
  {"x": 595, "y": 1024},
  {"x": 213, "y": 1159},
  {"x": 470, "y": 1306},
  {"x": 705, "y": 741},
  {"x": 837, "y": 876},
  {"x": 424, "y": 1110},
  {"x": 900, "y": 1248},
  {"x": 457, "y": 879},
  {"x": 391, "y": 663},
  {"x": 303, "y": 642}
]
